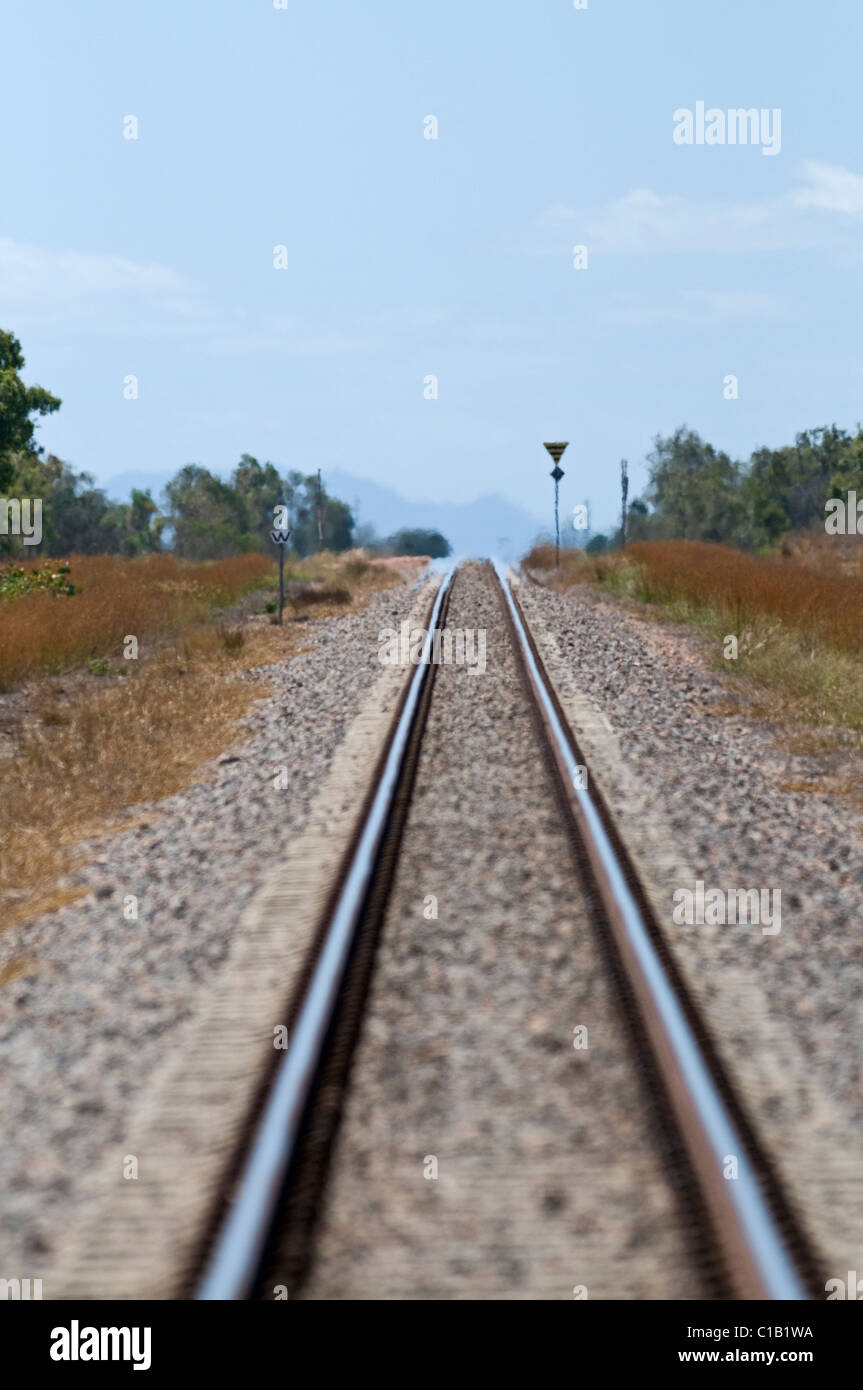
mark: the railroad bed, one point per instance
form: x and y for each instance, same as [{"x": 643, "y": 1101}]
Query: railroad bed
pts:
[{"x": 505, "y": 1106}]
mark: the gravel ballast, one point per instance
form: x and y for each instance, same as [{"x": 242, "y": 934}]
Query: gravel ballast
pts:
[
  {"x": 697, "y": 796},
  {"x": 107, "y": 997},
  {"x": 481, "y": 1155}
]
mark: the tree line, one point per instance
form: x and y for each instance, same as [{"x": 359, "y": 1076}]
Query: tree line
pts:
[
  {"x": 697, "y": 492},
  {"x": 202, "y": 517},
  {"x": 694, "y": 492}
]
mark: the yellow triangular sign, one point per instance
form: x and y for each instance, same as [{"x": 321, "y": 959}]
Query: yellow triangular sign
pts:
[{"x": 556, "y": 450}]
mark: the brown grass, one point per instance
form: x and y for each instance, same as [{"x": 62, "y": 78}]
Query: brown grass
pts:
[
  {"x": 575, "y": 567},
  {"x": 14, "y": 969},
  {"x": 309, "y": 596},
  {"x": 148, "y": 598},
  {"x": 741, "y": 587},
  {"x": 799, "y": 623},
  {"x": 133, "y": 740},
  {"x": 836, "y": 555},
  {"x": 87, "y": 748},
  {"x": 744, "y": 587}
]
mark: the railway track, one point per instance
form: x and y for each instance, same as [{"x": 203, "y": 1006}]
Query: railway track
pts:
[{"x": 741, "y": 1238}]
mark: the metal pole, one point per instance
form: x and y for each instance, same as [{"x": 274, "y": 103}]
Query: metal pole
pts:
[
  {"x": 281, "y": 582},
  {"x": 557, "y": 473}
]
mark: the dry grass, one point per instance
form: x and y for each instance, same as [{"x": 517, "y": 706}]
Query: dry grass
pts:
[
  {"x": 836, "y": 555},
  {"x": 798, "y": 622},
  {"x": 148, "y": 598},
  {"x": 327, "y": 584},
  {"x": 155, "y": 597},
  {"x": 133, "y": 740},
  {"x": 745, "y": 589},
  {"x": 351, "y": 569},
  {"x": 310, "y": 597},
  {"x": 90, "y": 748},
  {"x": 575, "y": 567},
  {"x": 14, "y": 969},
  {"x": 742, "y": 588}
]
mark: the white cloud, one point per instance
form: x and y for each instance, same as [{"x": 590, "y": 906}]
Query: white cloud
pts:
[
  {"x": 73, "y": 291},
  {"x": 830, "y": 188},
  {"x": 32, "y": 274},
  {"x": 644, "y": 222}
]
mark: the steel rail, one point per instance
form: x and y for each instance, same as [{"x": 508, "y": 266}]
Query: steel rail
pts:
[
  {"x": 757, "y": 1256},
  {"x": 233, "y": 1264}
]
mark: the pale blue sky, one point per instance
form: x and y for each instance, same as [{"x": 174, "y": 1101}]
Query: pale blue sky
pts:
[{"x": 410, "y": 256}]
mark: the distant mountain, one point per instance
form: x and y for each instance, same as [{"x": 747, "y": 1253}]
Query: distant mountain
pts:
[{"x": 490, "y": 525}]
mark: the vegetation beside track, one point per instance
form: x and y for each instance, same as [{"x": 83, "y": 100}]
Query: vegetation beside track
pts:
[
  {"x": 796, "y": 617},
  {"x": 78, "y": 748}
]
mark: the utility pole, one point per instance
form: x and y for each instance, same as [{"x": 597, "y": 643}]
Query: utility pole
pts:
[
  {"x": 557, "y": 473},
  {"x": 624, "y": 492}
]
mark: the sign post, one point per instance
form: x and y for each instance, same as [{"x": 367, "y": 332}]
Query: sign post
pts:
[
  {"x": 281, "y": 538},
  {"x": 557, "y": 473},
  {"x": 320, "y": 511}
]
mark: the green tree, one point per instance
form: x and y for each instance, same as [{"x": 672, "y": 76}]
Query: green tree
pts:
[
  {"x": 17, "y": 404},
  {"x": 786, "y": 488},
  {"x": 417, "y": 541},
  {"x": 698, "y": 493},
  {"x": 695, "y": 489},
  {"x": 208, "y": 516},
  {"x": 260, "y": 489},
  {"x": 77, "y": 517},
  {"x": 337, "y": 521},
  {"x": 138, "y": 523},
  {"x": 597, "y": 544},
  {"x": 640, "y": 525}
]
